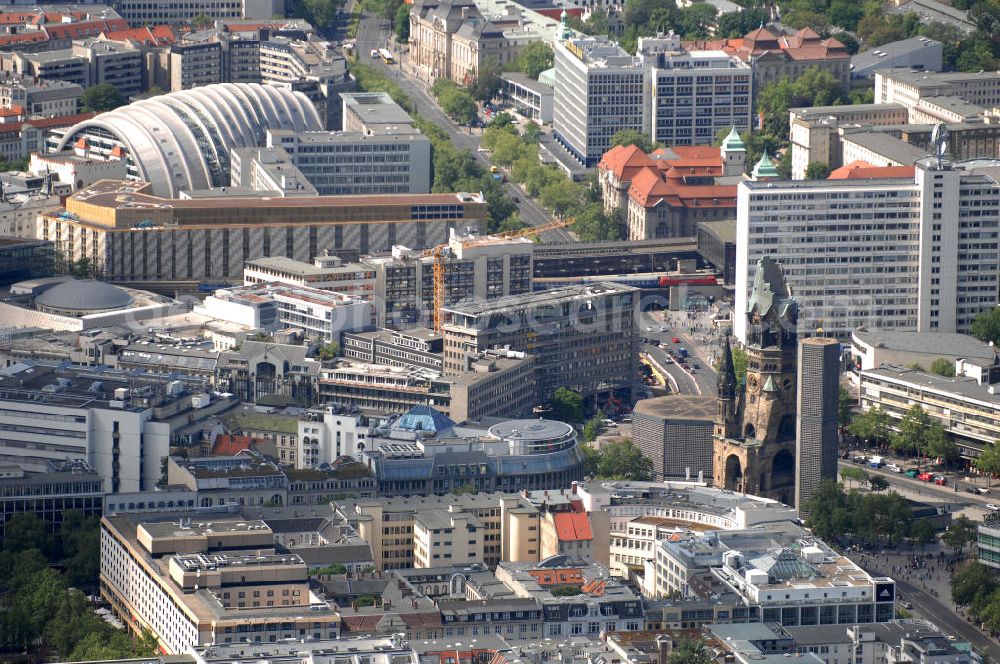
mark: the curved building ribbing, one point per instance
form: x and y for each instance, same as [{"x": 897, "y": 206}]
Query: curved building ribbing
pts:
[{"x": 182, "y": 140}]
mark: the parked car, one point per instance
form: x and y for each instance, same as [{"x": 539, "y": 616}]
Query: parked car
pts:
[
  {"x": 912, "y": 472},
  {"x": 940, "y": 480},
  {"x": 993, "y": 508},
  {"x": 894, "y": 468},
  {"x": 982, "y": 490},
  {"x": 925, "y": 477}
]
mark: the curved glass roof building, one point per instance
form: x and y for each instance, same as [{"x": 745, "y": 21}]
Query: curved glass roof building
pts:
[{"x": 182, "y": 140}]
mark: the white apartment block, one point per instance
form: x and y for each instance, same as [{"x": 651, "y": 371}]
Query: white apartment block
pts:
[
  {"x": 968, "y": 407},
  {"x": 345, "y": 163},
  {"x": 324, "y": 273},
  {"x": 218, "y": 581},
  {"x": 908, "y": 87},
  {"x": 599, "y": 90},
  {"x": 814, "y": 134},
  {"x": 908, "y": 253},
  {"x": 143, "y": 12},
  {"x": 447, "y": 537},
  {"x": 694, "y": 94},
  {"x": 674, "y": 96},
  {"x": 319, "y": 314}
]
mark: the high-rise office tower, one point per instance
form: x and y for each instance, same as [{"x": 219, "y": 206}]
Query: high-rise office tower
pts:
[{"x": 816, "y": 423}]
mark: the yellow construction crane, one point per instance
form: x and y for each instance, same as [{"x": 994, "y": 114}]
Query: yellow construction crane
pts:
[{"x": 440, "y": 264}]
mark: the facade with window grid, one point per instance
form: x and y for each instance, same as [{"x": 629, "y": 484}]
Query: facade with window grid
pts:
[{"x": 907, "y": 253}]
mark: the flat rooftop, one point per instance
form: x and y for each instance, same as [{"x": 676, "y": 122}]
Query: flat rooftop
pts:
[
  {"x": 887, "y": 146},
  {"x": 679, "y": 407},
  {"x": 540, "y": 299},
  {"x": 965, "y": 387},
  {"x": 127, "y": 195},
  {"x": 165, "y": 529},
  {"x": 303, "y": 269},
  {"x": 928, "y": 343},
  {"x": 375, "y": 108}
]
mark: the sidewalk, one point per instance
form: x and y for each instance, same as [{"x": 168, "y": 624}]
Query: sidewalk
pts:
[{"x": 702, "y": 336}]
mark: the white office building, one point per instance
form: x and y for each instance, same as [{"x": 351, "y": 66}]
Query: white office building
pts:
[
  {"x": 914, "y": 253},
  {"x": 694, "y": 94},
  {"x": 49, "y": 414},
  {"x": 599, "y": 90},
  {"x": 339, "y": 163},
  {"x": 674, "y": 96},
  {"x": 317, "y": 313}
]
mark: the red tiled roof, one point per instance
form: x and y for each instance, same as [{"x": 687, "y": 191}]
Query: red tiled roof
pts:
[
  {"x": 47, "y": 123},
  {"x": 557, "y": 577},
  {"x": 20, "y": 38},
  {"x": 595, "y": 588},
  {"x": 418, "y": 620},
  {"x": 624, "y": 161},
  {"x": 862, "y": 170},
  {"x": 649, "y": 191},
  {"x": 697, "y": 152},
  {"x": 364, "y": 623},
  {"x": 85, "y": 29},
  {"x": 230, "y": 445},
  {"x": 157, "y": 35},
  {"x": 573, "y": 527}
]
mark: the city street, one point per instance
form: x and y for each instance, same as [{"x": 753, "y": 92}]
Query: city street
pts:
[
  {"x": 702, "y": 381},
  {"x": 374, "y": 33}
]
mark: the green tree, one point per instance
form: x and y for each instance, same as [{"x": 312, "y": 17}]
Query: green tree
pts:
[
  {"x": 533, "y": 59},
  {"x": 960, "y": 533},
  {"x": 740, "y": 363},
  {"x": 561, "y": 196},
  {"x": 25, "y": 530},
  {"x": 202, "y": 21},
  {"x": 988, "y": 461},
  {"x": 845, "y": 407},
  {"x": 943, "y": 367},
  {"x": 458, "y": 105},
  {"x": 849, "y": 41},
  {"x": 690, "y": 651},
  {"x": 873, "y": 425},
  {"x": 320, "y": 13},
  {"x": 592, "y": 427},
  {"x": 593, "y": 224},
  {"x": 986, "y": 326},
  {"x": 328, "y": 351},
  {"x": 912, "y": 431},
  {"x": 567, "y": 405},
  {"x": 924, "y": 533},
  {"x": 385, "y": 9},
  {"x": 487, "y": 83},
  {"x": 101, "y": 97},
  {"x": 632, "y": 137},
  {"x": 80, "y": 544},
  {"x": 696, "y": 21},
  {"x": 622, "y": 460},
  {"x": 848, "y": 475},
  {"x": 878, "y": 483},
  {"x": 973, "y": 584},
  {"x": 402, "y": 21},
  {"x": 818, "y": 170},
  {"x": 591, "y": 457},
  {"x": 736, "y": 24}
]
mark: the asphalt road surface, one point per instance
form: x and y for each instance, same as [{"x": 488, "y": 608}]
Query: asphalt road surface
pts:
[
  {"x": 702, "y": 381},
  {"x": 374, "y": 33}
]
